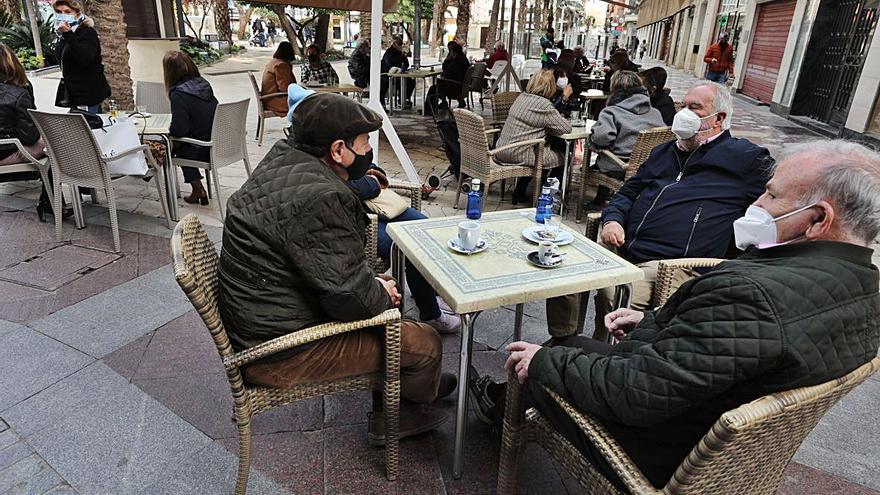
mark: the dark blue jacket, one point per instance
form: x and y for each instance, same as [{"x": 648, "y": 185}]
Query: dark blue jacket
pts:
[
  {"x": 682, "y": 204},
  {"x": 192, "y": 115}
]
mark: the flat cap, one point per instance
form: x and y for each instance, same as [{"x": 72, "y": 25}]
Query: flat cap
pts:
[{"x": 323, "y": 118}]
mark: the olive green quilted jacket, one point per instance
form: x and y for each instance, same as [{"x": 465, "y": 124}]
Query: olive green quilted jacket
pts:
[
  {"x": 293, "y": 251},
  {"x": 771, "y": 320}
]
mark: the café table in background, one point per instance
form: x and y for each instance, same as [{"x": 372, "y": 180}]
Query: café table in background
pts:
[
  {"x": 499, "y": 276},
  {"x": 395, "y": 80},
  {"x": 577, "y": 134}
]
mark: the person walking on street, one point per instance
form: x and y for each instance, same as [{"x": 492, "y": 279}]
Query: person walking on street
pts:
[
  {"x": 720, "y": 59},
  {"x": 78, "y": 51},
  {"x": 547, "y": 43}
]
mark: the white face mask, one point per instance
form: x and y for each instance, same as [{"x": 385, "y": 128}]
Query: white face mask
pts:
[
  {"x": 68, "y": 18},
  {"x": 686, "y": 124},
  {"x": 758, "y": 226},
  {"x": 562, "y": 82}
]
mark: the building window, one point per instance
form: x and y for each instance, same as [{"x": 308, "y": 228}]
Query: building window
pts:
[{"x": 141, "y": 18}]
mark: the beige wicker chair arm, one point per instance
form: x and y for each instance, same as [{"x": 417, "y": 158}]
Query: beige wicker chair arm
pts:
[
  {"x": 21, "y": 149},
  {"x": 196, "y": 142},
  {"x": 414, "y": 190},
  {"x": 593, "y": 222},
  {"x": 493, "y": 131},
  {"x": 622, "y": 164},
  {"x": 272, "y": 95},
  {"x": 304, "y": 336},
  {"x": 619, "y": 461},
  {"x": 530, "y": 142}
]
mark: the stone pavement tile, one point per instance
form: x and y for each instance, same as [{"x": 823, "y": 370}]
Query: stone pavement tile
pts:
[
  {"x": 16, "y": 203},
  {"x": 102, "y": 434},
  {"x": 844, "y": 443},
  {"x": 293, "y": 460},
  {"x": 30, "y": 362},
  {"x": 29, "y": 475},
  {"x": 17, "y": 251},
  {"x": 205, "y": 401},
  {"x": 127, "y": 359},
  {"x": 63, "y": 489},
  {"x": 211, "y": 470},
  {"x": 352, "y": 466},
  {"x": 58, "y": 266},
  {"x": 452, "y": 343},
  {"x": 799, "y": 479},
  {"x": 21, "y": 304},
  {"x": 349, "y": 408},
  {"x": 11, "y": 454},
  {"x": 105, "y": 322},
  {"x": 181, "y": 347},
  {"x": 7, "y": 438},
  {"x": 6, "y": 327}
]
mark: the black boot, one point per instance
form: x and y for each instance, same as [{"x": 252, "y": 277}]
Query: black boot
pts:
[{"x": 45, "y": 206}]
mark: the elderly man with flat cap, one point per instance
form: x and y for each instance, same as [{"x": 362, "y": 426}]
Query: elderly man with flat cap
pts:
[{"x": 293, "y": 257}]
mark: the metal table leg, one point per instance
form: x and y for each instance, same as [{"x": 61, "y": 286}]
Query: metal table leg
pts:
[
  {"x": 585, "y": 166},
  {"x": 517, "y": 323},
  {"x": 467, "y": 339},
  {"x": 398, "y": 271},
  {"x": 76, "y": 200},
  {"x": 171, "y": 188},
  {"x": 565, "y": 166}
]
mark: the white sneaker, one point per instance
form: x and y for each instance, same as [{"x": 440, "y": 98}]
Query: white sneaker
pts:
[
  {"x": 446, "y": 323},
  {"x": 443, "y": 306}
]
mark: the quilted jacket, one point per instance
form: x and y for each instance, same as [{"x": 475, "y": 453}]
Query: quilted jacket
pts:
[
  {"x": 293, "y": 251},
  {"x": 771, "y": 320}
]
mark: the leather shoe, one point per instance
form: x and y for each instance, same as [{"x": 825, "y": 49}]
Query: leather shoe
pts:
[{"x": 415, "y": 419}]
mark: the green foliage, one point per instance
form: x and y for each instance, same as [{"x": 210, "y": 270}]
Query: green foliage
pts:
[
  {"x": 235, "y": 48},
  {"x": 5, "y": 19},
  {"x": 29, "y": 59},
  {"x": 18, "y": 35},
  {"x": 201, "y": 53},
  {"x": 406, "y": 11}
]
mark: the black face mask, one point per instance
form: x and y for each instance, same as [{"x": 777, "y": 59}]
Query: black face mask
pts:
[
  {"x": 360, "y": 165},
  {"x": 313, "y": 58}
]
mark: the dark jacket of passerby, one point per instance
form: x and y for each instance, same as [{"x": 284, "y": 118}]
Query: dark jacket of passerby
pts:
[
  {"x": 682, "y": 204},
  {"x": 394, "y": 58},
  {"x": 15, "y": 121},
  {"x": 192, "y": 115},
  {"x": 663, "y": 102},
  {"x": 773, "y": 319},
  {"x": 359, "y": 66},
  {"x": 79, "y": 52},
  {"x": 723, "y": 56}
]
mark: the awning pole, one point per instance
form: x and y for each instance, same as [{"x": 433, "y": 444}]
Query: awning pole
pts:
[{"x": 417, "y": 35}]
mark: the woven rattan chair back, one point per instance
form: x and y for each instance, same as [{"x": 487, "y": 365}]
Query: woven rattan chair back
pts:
[
  {"x": 257, "y": 93},
  {"x": 501, "y": 103},
  {"x": 474, "y": 145},
  {"x": 72, "y": 149},
  {"x": 645, "y": 143},
  {"x": 228, "y": 133},
  {"x": 466, "y": 83},
  {"x": 678, "y": 106},
  {"x": 153, "y": 96},
  {"x": 747, "y": 449}
]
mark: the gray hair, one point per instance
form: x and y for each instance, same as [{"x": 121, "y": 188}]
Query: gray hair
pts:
[
  {"x": 851, "y": 183},
  {"x": 499, "y": 45},
  {"x": 723, "y": 101}
]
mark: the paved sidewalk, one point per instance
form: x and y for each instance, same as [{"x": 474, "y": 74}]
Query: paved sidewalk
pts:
[{"x": 110, "y": 383}]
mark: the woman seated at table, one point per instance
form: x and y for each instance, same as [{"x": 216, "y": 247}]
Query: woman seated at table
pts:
[
  {"x": 566, "y": 76},
  {"x": 655, "y": 81},
  {"x": 277, "y": 77},
  {"x": 533, "y": 116},
  {"x": 192, "y": 115},
  {"x": 450, "y": 83},
  {"x": 627, "y": 112}
]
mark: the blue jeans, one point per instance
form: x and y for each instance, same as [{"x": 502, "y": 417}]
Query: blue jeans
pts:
[
  {"x": 422, "y": 292},
  {"x": 95, "y": 108},
  {"x": 719, "y": 77}
]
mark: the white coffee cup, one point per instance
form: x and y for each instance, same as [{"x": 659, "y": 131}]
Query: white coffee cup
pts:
[
  {"x": 468, "y": 235},
  {"x": 548, "y": 252}
]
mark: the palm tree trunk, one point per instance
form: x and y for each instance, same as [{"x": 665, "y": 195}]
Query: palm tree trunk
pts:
[
  {"x": 439, "y": 23},
  {"x": 111, "y": 27},
  {"x": 366, "y": 20},
  {"x": 462, "y": 21},
  {"x": 321, "y": 32},
  {"x": 244, "y": 20},
  {"x": 221, "y": 20},
  {"x": 491, "y": 32},
  {"x": 12, "y": 9},
  {"x": 522, "y": 17}
]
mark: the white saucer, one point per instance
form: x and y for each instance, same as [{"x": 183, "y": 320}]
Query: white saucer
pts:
[
  {"x": 535, "y": 234},
  {"x": 482, "y": 245},
  {"x": 533, "y": 259}
]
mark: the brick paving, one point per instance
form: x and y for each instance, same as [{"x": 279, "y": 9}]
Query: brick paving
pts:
[{"x": 111, "y": 384}]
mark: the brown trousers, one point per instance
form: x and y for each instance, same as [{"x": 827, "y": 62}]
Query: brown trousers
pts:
[
  {"x": 361, "y": 352},
  {"x": 562, "y": 312}
]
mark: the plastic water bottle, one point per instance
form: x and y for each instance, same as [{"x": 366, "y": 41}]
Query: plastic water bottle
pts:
[
  {"x": 475, "y": 200},
  {"x": 545, "y": 205}
]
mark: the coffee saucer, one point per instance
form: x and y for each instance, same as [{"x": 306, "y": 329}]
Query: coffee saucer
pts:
[
  {"x": 482, "y": 245},
  {"x": 536, "y": 234},
  {"x": 557, "y": 260}
]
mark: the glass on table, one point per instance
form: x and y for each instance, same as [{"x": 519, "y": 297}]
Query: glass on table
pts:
[
  {"x": 575, "y": 118},
  {"x": 141, "y": 109},
  {"x": 552, "y": 224},
  {"x": 113, "y": 108}
]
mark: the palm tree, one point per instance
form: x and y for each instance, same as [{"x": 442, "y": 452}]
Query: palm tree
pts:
[
  {"x": 491, "y": 32},
  {"x": 111, "y": 27},
  {"x": 10, "y": 8},
  {"x": 221, "y": 20},
  {"x": 462, "y": 21}
]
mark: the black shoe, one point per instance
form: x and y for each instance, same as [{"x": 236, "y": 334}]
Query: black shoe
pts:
[
  {"x": 448, "y": 384},
  {"x": 44, "y": 206},
  {"x": 485, "y": 394}
]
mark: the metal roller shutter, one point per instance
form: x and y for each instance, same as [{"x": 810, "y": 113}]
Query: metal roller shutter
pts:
[{"x": 768, "y": 46}]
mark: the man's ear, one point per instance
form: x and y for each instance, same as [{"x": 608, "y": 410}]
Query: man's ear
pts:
[
  {"x": 337, "y": 151},
  {"x": 823, "y": 221}
]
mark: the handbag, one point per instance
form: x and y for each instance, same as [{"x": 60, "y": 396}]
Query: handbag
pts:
[
  {"x": 94, "y": 120},
  {"x": 62, "y": 95},
  {"x": 388, "y": 204}
]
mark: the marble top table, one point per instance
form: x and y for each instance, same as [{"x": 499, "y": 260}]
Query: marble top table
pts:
[{"x": 501, "y": 275}]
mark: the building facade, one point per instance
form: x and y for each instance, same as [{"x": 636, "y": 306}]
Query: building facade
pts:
[{"x": 814, "y": 61}]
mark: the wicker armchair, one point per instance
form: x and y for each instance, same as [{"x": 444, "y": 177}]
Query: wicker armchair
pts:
[
  {"x": 227, "y": 145},
  {"x": 478, "y": 161},
  {"x": 647, "y": 140},
  {"x": 678, "y": 105},
  {"x": 262, "y": 113},
  {"x": 415, "y": 196},
  {"x": 501, "y": 103},
  {"x": 746, "y": 451},
  {"x": 77, "y": 160},
  {"x": 195, "y": 264}
]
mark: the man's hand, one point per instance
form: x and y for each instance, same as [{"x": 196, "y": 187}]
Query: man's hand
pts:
[
  {"x": 521, "y": 354},
  {"x": 613, "y": 234},
  {"x": 391, "y": 288},
  {"x": 379, "y": 176},
  {"x": 566, "y": 93},
  {"x": 622, "y": 321},
  {"x": 63, "y": 27}
]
